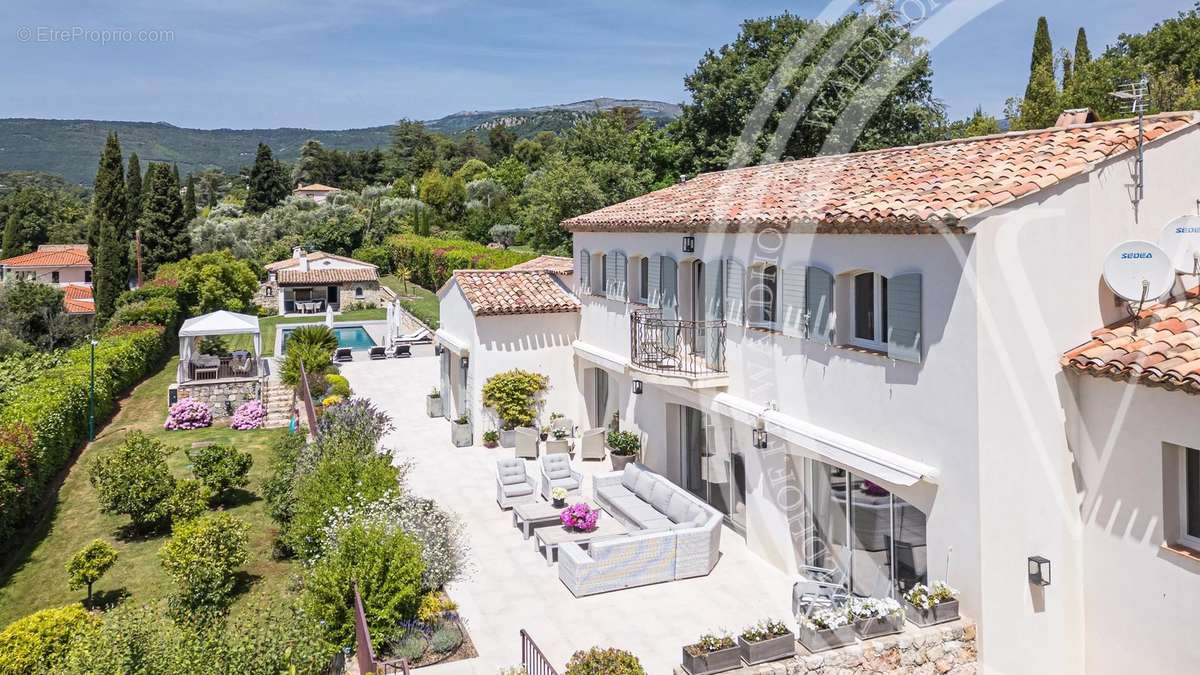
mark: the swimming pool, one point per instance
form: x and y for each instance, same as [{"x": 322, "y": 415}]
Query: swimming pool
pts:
[{"x": 354, "y": 337}]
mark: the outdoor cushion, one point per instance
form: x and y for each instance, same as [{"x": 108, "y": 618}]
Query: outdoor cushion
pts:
[
  {"x": 660, "y": 495},
  {"x": 568, "y": 482},
  {"x": 697, "y": 514},
  {"x": 630, "y": 475},
  {"x": 657, "y": 524},
  {"x": 639, "y": 511},
  {"x": 511, "y": 473},
  {"x": 612, "y": 493},
  {"x": 645, "y": 483},
  {"x": 556, "y": 466},
  {"x": 677, "y": 509},
  {"x": 517, "y": 490}
]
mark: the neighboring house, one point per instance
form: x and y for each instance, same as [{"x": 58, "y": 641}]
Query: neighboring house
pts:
[
  {"x": 77, "y": 298},
  {"x": 316, "y": 192},
  {"x": 319, "y": 279},
  {"x": 58, "y": 264},
  {"x": 856, "y": 358}
]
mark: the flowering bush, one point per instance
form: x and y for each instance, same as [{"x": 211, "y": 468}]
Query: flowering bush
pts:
[
  {"x": 188, "y": 413},
  {"x": 872, "y": 608},
  {"x": 249, "y": 415},
  {"x": 765, "y": 630},
  {"x": 331, "y": 400},
  {"x": 826, "y": 619},
  {"x": 923, "y": 597},
  {"x": 611, "y": 661},
  {"x": 580, "y": 517},
  {"x": 711, "y": 642}
]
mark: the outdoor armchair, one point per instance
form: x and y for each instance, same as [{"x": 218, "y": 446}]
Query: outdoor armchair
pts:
[
  {"x": 527, "y": 442},
  {"x": 557, "y": 472},
  {"x": 591, "y": 444},
  {"x": 513, "y": 484}
]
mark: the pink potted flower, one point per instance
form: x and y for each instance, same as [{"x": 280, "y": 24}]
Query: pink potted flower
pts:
[{"x": 580, "y": 517}]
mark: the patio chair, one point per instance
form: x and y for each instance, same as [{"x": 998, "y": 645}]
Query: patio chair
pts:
[
  {"x": 514, "y": 485},
  {"x": 819, "y": 588},
  {"x": 241, "y": 365},
  {"x": 557, "y": 473},
  {"x": 343, "y": 355},
  {"x": 591, "y": 444},
  {"x": 376, "y": 353},
  {"x": 401, "y": 351},
  {"x": 420, "y": 335},
  {"x": 527, "y": 442}
]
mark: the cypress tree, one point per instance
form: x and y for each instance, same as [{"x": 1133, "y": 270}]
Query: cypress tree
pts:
[
  {"x": 164, "y": 228},
  {"x": 1067, "y": 74},
  {"x": 1043, "y": 53},
  {"x": 268, "y": 185},
  {"x": 133, "y": 187},
  {"x": 110, "y": 219},
  {"x": 1083, "y": 55},
  {"x": 189, "y": 199}
]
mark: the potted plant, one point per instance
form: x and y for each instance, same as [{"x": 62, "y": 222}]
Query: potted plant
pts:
[
  {"x": 766, "y": 641},
  {"x": 711, "y": 654},
  {"x": 558, "y": 497},
  {"x": 925, "y": 606},
  {"x": 623, "y": 447},
  {"x": 513, "y": 396},
  {"x": 559, "y": 443},
  {"x": 544, "y": 432},
  {"x": 580, "y": 517},
  {"x": 491, "y": 438},
  {"x": 826, "y": 629},
  {"x": 460, "y": 431},
  {"x": 874, "y": 617},
  {"x": 433, "y": 403}
]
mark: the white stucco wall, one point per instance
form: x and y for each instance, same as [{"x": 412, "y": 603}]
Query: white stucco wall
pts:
[{"x": 66, "y": 275}]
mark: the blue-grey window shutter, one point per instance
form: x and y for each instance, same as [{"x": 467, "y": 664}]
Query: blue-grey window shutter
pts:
[
  {"x": 621, "y": 283},
  {"x": 904, "y": 317},
  {"x": 654, "y": 282},
  {"x": 818, "y": 302},
  {"x": 792, "y": 292},
  {"x": 610, "y": 276},
  {"x": 669, "y": 270},
  {"x": 735, "y": 291},
  {"x": 585, "y": 272},
  {"x": 714, "y": 336}
]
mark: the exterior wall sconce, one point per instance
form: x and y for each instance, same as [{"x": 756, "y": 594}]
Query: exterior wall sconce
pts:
[
  {"x": 759, "y": 438},
  {"x": 1039, "y": 571},
  {"x": 637, "y": 386},
  {"x": 437, "y": 350},
  {"x": 465, "y": 362},
  {"x": 689, "y": 244}
]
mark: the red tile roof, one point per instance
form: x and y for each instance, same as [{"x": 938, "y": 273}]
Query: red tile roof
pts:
[
  {"x": 52, "y": 255},
  {"x": 547, "y": 263},
  {"x": 499, "y": 292},
  {"x": 315, "y": 255},
  {"x": 316, "y": 187},
  {"x": 909, "y": 190},
  {"x": 77, "y": 299},
  {"x": 1161, "y": 348},
  {"x": 291, "y": 277}
]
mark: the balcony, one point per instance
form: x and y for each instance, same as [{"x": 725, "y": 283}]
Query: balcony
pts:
[{"x": 675, "y": 351}]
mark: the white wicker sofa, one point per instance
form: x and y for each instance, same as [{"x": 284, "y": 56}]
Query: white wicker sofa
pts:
[{"x": 673, "y": 535}]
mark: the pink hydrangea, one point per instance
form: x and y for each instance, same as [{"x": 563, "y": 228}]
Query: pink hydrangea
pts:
[
  {"x": 580, "y": 517},
  {"x": 189, "y": 413},
  {"x": 250, "y": 415}
]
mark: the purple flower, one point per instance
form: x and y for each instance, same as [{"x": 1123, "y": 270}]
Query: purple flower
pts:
[
  {"x": 250, "y": 415},
  {"x": 188, "y": 413},
  {"x": 580, "y": 517}
]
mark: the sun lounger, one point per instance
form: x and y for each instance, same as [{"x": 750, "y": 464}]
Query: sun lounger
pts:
[
  {"x": 376, "y": 353},
  {"x": 342, "y": 355},
  {"x": 421, "y": 335},
  {"x": 401, "y": 351}
]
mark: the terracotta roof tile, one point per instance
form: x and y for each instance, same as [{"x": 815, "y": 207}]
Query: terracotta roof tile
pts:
[
  {"x": 499, "y": 292},
  {"x": 547, "y": 263},
  {"x": 335, "y": 275},
  {"x": 910, "y": 190},
  {"x": 52, "y": 255},
  {"x": 315, "y": 255},
  {"x": 77, "y": 299}
]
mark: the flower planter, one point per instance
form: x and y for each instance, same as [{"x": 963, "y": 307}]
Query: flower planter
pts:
[
  {"x": 433, "y": 406},
  {"x": 816, "y": 640},
  {"x": 712, "y": 662},
  {"x": 879, "y": 626},
  {"x": 460, "y": 434},
  {"x": 771, "y": 649},
  {"x": 554, "y": 445},
  {"x": 508, "y": 438},
  {"x": 939, "y": 613},
  {"x": 619, "y": 461},
  {"x": 559, "y": 503}
]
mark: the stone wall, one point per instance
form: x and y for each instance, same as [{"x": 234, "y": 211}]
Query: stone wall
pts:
[{"x": 215, "y": 394}]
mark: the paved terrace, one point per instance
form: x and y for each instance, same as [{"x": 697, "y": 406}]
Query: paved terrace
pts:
[{"x": 510, "y": 587}]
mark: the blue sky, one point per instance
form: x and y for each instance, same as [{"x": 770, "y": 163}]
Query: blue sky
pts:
[{"x": 352, "y": 63}]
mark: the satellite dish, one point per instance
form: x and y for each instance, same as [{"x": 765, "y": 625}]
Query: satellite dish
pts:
[
  {"x": 1138, "y": 271},
  {"x": 1180, "y": 238}
]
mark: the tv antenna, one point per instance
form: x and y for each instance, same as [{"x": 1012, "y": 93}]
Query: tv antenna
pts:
[
  {"x": 1134, "y": 95},
  {"x": 1138, "y": 271}
]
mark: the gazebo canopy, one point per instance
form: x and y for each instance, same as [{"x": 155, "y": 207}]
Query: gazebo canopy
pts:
[{"x": 215, "y": 323}]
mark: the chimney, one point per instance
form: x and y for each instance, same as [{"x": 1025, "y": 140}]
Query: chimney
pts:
[
  {"x": 1076, "y": 116},
  {"x": 298, "y": 252}
]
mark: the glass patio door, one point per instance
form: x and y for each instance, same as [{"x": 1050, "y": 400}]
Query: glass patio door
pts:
[{"x": 710, "y": 468}]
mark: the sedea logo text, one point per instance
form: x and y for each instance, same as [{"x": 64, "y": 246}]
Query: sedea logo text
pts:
[
  {"x": 1187, "y": 230},
  {"x": 1137, "y": 255}
]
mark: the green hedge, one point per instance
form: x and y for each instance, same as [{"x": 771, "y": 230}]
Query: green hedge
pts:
[
  {"x": 46, "y": 419},
  {"x": 431, "y": 260}
]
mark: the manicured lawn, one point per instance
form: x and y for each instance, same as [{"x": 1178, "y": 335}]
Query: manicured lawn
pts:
[
  {"x": 267, "y": 327},
  {"x": 422, "y": 302},
  {"x": 33, "y": 577}
]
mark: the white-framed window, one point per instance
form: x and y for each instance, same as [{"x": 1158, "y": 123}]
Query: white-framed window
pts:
[
  {"x": 1189, "y": 498},
  {"x": 358, "y": 291},
  {"x": 762, "y": 296},
  {"x": 868, "y": 311}
]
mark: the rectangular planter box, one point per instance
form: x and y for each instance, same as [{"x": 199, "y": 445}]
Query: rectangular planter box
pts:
[
  {"x": 460, "y": 434},
  {"x": 940, "y": 613},
  {"x": 773, "y": 649},
  {"x": 433, "y": 406},
  {"x": 824, "y": 640},
  {"x": 876, "y": 627},
  {"x": 508, "y": 439},
  {"x": 712, "y": 662}
]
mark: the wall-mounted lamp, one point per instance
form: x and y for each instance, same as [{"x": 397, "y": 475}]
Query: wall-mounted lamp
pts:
[
  {"x": 437, "y": 350},
  {"x": 759, "y": 438},
  {"x": 637, "y": 386},
  {"x": 1039, "y": 571},
  {"x": 464, "y": 361},
  {"x": 689, "y": 244}
]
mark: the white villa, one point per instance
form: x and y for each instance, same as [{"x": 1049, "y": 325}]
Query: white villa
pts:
[
  {"x": 309, "y": 282},
  {"x": 880, "y": 363}
]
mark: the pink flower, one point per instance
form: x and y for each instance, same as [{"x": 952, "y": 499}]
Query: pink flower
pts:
[{"x": 580, "y": 517}]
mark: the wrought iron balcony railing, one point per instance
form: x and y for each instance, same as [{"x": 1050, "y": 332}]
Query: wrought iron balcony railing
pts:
[{"x": 675, "y": 346}]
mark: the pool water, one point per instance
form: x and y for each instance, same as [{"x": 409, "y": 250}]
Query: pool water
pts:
[{"x": 354, "y": 337}]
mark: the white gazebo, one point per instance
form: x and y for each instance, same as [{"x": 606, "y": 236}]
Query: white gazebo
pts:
[{"x": 199, "y": 367}]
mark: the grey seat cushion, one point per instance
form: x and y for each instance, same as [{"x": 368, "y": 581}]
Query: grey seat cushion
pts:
[
  {"x": 638, "y": 511},
  {"x": 657, "y": 524},
  {"x": 660, "y": 495},
  {"x": 511, "y": 473},
  {"x": 678, "y": 508},
  {"x": 569, "y": 482},
  {"x": 612, "y": 493},
  {"x": 517, "y": 490},
  {"x": 630, "y": 475},
  {"x": 556, "y": 466},
  {"x": 643, "y": 486}
]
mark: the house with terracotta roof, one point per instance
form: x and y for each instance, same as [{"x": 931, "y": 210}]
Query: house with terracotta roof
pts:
[
  {"x": 77, "y": 299},
  {"x": 315, "y": 191},
  {"x": 870, "y": 363},
  {"x": 58, "y": 264},
  {"x": 308, "y": 282}
]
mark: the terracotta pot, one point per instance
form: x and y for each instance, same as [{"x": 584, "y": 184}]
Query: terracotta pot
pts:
[{"x": 619, "y": 461}]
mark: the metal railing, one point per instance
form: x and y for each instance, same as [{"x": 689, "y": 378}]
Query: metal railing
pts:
[
  {"x": 676, "y": 346},
  {"x": 532, "y": 658},
  {"x": 305, "y": 394},
  {"x": 365, "y": 651}
]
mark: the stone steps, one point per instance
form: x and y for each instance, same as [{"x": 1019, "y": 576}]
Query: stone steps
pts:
[{"x": 278, "y": 400}]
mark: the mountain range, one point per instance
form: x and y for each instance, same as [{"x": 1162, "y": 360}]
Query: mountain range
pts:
[{"x": 71, "y": 148}]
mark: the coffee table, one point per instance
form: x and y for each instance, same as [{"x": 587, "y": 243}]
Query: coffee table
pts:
[
  {"x": 530, "y": 516},
  {"x": 548, "y": 539}
]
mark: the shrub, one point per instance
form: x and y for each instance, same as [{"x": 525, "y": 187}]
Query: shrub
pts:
[
  {"x": 38, "y": 642},
  {"x": 210, "y": 281},
  {"x": 338, "y": 480},
  {"x": 189, "y": 500},
  {"x": 277, "y": 488},
  {"x": 431, "y": 260},
  {"x": 161, "y": 311},
  {"x": 134, "y": 480},
  {"x": 435, "y": 606},
  {"x": 319, "y": 336},
  {"x": 201, "y": 558},
  {"x": 624, "y": 443},
  {"x": 513, "y": 396},
  {"x": 41, "y": 424},
  {"x": 330, "y": 401},
  {"x": 220, "y": 467},
  {"x": 505, "y": 235},
  {"x": 597, "y": 661},
  {"x": 387, "y": 567},
  {"x": 379, "y": 256},
  {"x": 446, "y": 638},
  {"x": 316, "y": 360},
  {"x": 337, "y": 385},
  {"x": 188, "y": 413},
  {"x": 249, "y": 415},
  {"x": 89, "y": 564}
]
